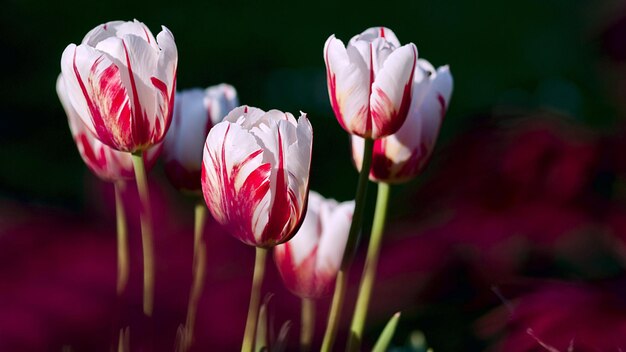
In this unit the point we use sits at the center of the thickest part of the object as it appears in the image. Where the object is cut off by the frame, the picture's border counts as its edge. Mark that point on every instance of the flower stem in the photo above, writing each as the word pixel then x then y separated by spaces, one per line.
pixel 146 234
pixel 308 324
pixel 335 312
pixel 353 238
pixel 359 204
pixel 255 298
pixel 369 271
pixel 122 239
pixel 199 273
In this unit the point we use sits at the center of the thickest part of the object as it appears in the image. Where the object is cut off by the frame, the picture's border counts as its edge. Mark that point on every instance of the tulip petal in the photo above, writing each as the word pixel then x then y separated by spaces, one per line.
pixel 348 78
pixel 370 34
pixel 235 180
pixel 164 79
pixel 391 91
pixel 97 93
pixel 105 162
pixel 186 130
pixel 401 156
pixel 309 262
pixel 219 101
pixel 137 61
pixel 334 237
pixel 101 32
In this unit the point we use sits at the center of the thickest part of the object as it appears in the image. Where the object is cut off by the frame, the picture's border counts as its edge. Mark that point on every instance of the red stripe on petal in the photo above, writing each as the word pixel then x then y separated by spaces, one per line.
pixel 368 122
pixel 332 93
pixel 145 31
pixel 111 95
pixel 140 124
pixel 170 108
pixel 252 192
pixel 282 208
pixel 442 104
pixel 381 164
pixel 96 115
pixel 386 118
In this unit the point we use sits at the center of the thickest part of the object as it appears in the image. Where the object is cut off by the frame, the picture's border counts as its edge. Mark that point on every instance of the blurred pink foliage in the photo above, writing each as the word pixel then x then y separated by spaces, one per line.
pixel 500 201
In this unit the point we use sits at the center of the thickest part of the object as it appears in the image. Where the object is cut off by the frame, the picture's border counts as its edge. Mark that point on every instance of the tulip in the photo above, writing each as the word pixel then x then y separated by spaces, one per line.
pixel 105 162
pixel 309 262
pixel 369 81
pixel 196 111
pixel 255 181
pixel 109 165
pixel 121 82
pixel 255 174
pixel 402 156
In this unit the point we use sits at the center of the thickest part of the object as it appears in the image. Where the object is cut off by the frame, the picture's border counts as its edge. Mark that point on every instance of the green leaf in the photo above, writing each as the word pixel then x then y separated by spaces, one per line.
pixel 387 334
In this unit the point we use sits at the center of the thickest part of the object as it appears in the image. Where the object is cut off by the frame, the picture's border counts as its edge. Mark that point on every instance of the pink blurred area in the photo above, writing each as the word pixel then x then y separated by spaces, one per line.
pixel 503 202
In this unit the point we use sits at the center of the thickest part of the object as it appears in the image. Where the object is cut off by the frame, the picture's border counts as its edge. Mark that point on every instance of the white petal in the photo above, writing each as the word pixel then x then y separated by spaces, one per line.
pixel 308 236
pixel 137 61
pixel 96 92
pixel 166 70
pixel 335 219
pixel 348 76
pixel 220 100
pixel 227 163
pixel 370 34
pixel 188 131
pixel 299 160
pixel 391 91
pixel 101 32
pixel 434 105
pixel 357 144
pixel 248 116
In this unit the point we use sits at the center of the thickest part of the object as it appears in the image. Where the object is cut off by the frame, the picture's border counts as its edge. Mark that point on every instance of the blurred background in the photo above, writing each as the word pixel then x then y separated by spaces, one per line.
pixel 513 239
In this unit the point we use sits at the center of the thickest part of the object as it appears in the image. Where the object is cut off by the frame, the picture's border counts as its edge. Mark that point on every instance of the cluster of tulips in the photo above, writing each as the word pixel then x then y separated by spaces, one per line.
pixel 118 89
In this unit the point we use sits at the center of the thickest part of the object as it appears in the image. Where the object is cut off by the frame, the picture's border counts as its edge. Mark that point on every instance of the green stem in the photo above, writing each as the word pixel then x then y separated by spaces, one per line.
pixel 122 239
pixel 353 238
pixel 255 298
pixel 308 324
pixel 369 271
pixel 146 234
pixel 335 312
pixel 199 273
pixel 359 204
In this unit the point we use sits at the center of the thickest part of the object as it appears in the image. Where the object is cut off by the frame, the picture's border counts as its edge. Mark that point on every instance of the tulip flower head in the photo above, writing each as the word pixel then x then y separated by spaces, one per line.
pixel 402 156
pixel 121 82
pixel 105 162
pixel 255 174
pixel 196 111
pixel 309 262
pixel 369 81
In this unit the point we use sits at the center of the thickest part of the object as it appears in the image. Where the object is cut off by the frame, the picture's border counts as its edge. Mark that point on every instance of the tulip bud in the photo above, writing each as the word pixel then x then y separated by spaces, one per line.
pixel 369 81
pixel 121 82
pixel 105 162
pixel 255 174
pixel 196 111
pixel 403 155
pixel 309 262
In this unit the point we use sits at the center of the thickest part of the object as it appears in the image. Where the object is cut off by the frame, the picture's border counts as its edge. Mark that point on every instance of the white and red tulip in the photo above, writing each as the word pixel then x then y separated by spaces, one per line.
pixel 369 81
pixel 402 156
pixel 196 111
pixel 255 174
pixel 310 261
pixel 121 82
pixel 105 162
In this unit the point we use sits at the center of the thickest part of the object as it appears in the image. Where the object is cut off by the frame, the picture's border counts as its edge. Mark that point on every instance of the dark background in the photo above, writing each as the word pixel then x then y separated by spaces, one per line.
pixel 522 54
